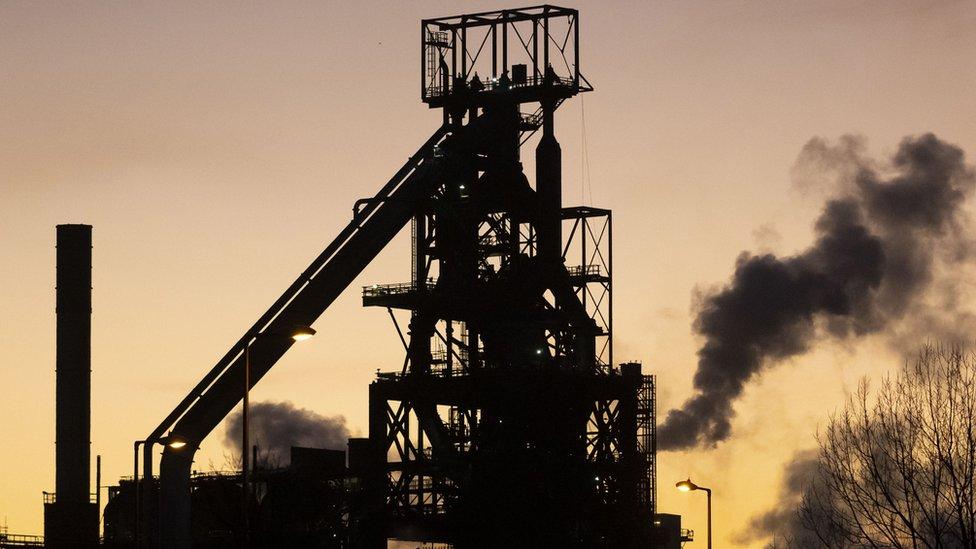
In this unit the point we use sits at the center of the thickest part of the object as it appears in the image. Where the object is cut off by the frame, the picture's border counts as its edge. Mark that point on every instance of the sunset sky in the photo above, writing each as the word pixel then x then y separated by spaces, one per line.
pixel 217 149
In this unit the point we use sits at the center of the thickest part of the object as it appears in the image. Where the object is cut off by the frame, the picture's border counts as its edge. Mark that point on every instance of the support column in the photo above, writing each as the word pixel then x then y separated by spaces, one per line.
pixel 175 526
pixel 374 473
pixel 549 181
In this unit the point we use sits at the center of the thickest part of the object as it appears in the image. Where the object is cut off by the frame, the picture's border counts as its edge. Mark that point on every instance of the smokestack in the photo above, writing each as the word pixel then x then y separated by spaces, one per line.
pixel 70 518
pixel 73 362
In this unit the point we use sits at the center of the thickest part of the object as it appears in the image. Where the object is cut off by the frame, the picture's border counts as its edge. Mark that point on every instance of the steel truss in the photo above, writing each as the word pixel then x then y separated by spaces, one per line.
pixel 508 422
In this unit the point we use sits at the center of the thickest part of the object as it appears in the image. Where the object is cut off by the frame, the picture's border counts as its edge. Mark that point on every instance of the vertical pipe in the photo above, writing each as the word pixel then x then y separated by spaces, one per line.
pixel 147 501
pixel 454 42
pixel 576 50
pixel 373 473
pixel 708 492
pixel 545 41
pixel 98 492
pixel 464 51
pixel 136 489
pixel 175 519
pixel 610 361
pixel 423 59
pixel 449 336
pixel 535 49
pixel 445 86
pixel 494 51
pixel 245 445
pixel 73 384
pixel 504 41
pixel 548 182
pixel 419 266
pixel 474 357
pixel 583 261
pixel 420 449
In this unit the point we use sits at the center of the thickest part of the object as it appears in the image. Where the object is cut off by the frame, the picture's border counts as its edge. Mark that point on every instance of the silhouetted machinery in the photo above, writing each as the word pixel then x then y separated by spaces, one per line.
pixel 508 423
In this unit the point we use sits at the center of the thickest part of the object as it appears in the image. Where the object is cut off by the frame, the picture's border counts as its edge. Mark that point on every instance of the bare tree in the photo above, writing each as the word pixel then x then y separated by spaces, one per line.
pixel 897 466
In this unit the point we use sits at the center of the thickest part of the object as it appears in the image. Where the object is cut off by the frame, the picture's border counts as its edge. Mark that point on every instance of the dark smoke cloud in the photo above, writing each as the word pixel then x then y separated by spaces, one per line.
pixel 783 525
pixel 277 426
pixel 880 241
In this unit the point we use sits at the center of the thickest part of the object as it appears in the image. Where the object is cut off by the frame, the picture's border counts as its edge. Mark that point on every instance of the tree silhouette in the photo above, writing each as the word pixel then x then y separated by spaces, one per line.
pixel 897 467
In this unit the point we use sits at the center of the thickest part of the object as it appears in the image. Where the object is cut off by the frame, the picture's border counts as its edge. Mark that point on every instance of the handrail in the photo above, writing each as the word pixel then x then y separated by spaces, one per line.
pixel 494 84
pixel 24 540
pixel 592 269
pixel 52 497
pixel 399 288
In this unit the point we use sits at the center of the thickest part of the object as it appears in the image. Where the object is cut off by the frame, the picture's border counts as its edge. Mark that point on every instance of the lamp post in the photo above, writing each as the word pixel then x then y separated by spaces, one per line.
pixel 299 333
pixel 689 486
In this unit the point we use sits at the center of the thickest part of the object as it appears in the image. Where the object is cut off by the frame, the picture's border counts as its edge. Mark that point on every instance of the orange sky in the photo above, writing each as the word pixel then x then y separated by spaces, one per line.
pixel 217 149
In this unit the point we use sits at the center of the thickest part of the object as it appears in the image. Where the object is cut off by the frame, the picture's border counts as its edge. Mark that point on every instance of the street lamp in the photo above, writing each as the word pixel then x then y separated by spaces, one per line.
pixel 298 333
pixel 689 486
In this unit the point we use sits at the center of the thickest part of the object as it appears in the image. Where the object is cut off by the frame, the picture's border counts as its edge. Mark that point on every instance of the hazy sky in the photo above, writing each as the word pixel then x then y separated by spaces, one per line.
pixel 216 149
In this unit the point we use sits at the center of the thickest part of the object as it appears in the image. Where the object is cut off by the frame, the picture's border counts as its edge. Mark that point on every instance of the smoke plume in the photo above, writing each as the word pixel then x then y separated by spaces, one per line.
pixel 277 426
pixel 783 523
pixel 885 232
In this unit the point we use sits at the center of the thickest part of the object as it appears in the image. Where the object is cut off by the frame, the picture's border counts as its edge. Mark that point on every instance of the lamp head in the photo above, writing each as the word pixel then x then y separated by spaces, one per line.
pixel 302 333
pixel 686 485
pixel 174 442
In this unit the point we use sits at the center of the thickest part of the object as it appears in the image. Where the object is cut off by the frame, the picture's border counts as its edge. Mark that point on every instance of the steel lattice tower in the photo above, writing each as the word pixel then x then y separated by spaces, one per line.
pixel 507 422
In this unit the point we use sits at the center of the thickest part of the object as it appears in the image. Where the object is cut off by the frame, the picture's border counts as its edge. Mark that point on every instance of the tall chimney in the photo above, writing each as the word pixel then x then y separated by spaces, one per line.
pixel 70 519
pixel 73 362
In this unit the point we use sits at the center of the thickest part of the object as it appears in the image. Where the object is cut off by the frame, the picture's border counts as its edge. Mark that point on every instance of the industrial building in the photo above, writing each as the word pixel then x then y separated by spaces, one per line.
pixel 507 424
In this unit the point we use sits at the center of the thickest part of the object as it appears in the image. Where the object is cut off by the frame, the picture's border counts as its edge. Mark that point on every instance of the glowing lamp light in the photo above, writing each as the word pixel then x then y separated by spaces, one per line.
pixel 172 441
pixel 302 333
pixel 686 486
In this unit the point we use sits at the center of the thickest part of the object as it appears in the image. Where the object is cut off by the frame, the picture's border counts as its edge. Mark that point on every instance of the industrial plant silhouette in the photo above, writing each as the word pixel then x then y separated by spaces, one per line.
pixel 508 423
